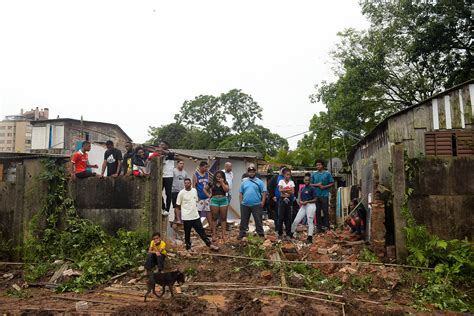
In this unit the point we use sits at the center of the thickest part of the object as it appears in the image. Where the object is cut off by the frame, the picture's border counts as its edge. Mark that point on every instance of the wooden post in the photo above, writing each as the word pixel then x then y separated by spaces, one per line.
pixel 17 229
pixel 156 192
pixel 398 185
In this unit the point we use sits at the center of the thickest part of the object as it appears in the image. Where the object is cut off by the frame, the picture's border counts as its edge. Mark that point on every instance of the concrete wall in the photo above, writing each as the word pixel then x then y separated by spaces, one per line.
pixel 114 203
pixel 443 197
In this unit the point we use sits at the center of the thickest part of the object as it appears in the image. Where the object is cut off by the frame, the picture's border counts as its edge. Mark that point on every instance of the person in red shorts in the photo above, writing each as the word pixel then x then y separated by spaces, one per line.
pixel 80 163
pixel 357 220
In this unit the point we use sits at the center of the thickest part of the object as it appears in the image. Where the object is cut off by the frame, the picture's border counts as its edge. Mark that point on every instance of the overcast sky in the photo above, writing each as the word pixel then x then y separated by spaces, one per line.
pixel 133 63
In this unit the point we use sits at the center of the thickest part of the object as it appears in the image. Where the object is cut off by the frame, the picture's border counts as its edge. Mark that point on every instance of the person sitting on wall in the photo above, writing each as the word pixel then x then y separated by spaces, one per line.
pixel 80 167
pixel 127 165
pixel 140 163
pixel 357 218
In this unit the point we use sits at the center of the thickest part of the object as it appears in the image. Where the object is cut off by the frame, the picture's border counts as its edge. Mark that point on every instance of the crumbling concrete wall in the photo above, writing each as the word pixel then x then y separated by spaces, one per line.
pixel 443 196
pixel 113 203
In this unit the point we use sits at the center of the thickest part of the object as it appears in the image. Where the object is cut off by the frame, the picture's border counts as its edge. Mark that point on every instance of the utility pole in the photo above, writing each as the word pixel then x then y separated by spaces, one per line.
pixel 330 142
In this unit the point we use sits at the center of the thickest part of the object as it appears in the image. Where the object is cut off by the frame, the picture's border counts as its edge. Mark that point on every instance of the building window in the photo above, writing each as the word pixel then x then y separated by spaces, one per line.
pixel 8 148
pixel 28 141
pixel 2 141
pixel 449 144
pixel 2 134
pixel 9 134
pixel 9 141
pixel 2 127
pixel 10 127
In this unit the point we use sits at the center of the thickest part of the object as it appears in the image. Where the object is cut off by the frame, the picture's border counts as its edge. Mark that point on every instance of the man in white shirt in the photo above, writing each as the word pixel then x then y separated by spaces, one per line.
pixel 229 177
pixel 186 202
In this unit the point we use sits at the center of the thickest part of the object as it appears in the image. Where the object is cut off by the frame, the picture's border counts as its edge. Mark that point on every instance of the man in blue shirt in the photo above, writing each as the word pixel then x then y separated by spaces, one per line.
pixel 322 180
pixel 252 194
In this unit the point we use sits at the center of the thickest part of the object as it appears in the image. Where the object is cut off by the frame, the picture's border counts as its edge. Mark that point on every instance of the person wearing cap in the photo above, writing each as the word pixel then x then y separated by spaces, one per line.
pixel 112 160
pixel 252 195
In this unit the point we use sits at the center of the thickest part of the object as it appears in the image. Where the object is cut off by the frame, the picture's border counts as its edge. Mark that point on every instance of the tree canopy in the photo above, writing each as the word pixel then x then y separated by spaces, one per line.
pixel 412 50
pixel 225 122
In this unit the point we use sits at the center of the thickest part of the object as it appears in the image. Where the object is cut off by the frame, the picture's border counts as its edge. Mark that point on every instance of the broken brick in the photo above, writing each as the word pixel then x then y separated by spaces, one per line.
pixel 267 275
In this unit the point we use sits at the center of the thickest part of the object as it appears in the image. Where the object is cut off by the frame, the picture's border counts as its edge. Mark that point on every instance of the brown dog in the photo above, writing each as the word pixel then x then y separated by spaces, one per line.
pixel 164 279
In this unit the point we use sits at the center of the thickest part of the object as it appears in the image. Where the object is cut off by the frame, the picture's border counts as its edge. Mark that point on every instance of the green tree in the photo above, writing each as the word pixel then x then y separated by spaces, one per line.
pixel 411 51
pixel 204 112
pixel 258 139
pixel 180 136
pixel 242 108
pixel 206 116
pixel 173 133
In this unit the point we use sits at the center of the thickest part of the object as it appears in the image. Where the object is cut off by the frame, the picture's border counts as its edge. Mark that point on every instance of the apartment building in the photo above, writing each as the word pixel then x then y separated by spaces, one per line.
pixel 16 130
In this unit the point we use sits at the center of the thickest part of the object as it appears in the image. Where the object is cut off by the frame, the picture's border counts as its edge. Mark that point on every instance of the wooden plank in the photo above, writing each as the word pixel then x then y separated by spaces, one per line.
pixel 467 102
pixel 1 171
pixel 419 142
pixel 398 185
pixel 420 119
pixel 456 113
pixel 435 114
pixel 447 111
pixel 58 273
pixel 441 113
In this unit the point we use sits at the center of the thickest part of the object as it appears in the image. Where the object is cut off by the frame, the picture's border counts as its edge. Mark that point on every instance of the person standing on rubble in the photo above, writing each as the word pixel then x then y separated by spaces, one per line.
pixel 322 180
pixel 252 195
pixel 307 201
pixel 186 202
pixel 286 186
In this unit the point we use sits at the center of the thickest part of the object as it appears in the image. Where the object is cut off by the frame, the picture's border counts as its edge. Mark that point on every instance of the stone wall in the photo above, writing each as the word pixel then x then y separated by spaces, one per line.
pixel 443 197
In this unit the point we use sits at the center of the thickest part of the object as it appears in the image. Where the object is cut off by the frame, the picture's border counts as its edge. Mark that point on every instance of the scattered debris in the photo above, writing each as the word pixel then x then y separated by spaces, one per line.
pixel 58 273
pixel 267 244
pixel 82 306
pixel 322 251
pixel 8 276
pixel 16 287
pixel 267 275
pixel 71 272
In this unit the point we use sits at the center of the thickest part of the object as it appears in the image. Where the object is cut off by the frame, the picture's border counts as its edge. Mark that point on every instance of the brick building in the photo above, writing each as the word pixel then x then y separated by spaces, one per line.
pixel 62 136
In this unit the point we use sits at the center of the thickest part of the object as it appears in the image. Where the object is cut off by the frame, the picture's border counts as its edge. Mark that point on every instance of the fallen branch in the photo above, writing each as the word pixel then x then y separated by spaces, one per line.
pixel 12 263
pixel 313 262
pixel 118 275
pixel 265 289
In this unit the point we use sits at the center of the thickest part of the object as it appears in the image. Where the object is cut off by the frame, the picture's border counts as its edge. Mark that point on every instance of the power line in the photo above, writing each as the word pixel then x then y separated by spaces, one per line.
pixel 296 135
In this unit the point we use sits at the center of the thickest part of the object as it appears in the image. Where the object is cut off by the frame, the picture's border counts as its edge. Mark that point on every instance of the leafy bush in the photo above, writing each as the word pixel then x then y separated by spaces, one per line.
pixel 452 260
pixel 57 232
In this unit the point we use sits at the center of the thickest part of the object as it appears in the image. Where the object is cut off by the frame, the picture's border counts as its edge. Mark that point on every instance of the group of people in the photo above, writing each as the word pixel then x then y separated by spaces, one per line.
pixel 203 195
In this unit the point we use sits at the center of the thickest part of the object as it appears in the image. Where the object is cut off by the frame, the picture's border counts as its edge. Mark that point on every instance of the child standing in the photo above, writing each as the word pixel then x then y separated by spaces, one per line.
pixel 156 254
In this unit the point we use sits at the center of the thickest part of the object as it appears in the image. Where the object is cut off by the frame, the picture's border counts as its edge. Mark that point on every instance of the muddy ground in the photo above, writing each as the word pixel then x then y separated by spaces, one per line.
pixel 233 286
